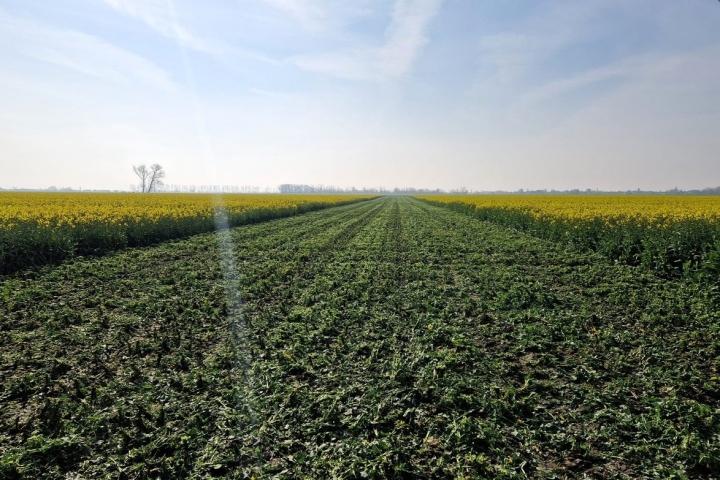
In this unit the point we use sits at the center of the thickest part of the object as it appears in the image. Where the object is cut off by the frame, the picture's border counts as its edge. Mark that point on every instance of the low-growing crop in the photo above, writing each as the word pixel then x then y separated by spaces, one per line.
pixel 385 339
pixel 671 235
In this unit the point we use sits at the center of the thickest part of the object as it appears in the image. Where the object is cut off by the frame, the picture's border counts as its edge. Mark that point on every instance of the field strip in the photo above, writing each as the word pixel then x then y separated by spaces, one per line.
pixel 37 228
pixel 674 236
pixel 384 339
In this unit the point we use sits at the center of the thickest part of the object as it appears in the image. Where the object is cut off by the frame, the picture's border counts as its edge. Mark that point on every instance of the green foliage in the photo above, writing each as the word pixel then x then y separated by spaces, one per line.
pixel 30 243
pixel 684 247
pixel 385 339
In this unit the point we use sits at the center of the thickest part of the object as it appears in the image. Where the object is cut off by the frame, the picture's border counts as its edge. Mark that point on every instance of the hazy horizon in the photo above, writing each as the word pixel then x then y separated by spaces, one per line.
pixel 330 189
pixel 550 94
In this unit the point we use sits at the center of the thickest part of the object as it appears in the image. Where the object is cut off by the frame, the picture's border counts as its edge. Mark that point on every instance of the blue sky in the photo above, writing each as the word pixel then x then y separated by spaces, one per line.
pixel 556 94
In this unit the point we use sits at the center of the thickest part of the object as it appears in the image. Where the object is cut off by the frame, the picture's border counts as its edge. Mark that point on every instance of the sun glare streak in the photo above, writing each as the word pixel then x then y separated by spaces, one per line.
pixel 241 357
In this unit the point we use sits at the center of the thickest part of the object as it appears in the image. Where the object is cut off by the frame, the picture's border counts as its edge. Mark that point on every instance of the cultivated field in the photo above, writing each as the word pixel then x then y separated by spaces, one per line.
pixel 390 338
pixel 39 228
pixel 672 235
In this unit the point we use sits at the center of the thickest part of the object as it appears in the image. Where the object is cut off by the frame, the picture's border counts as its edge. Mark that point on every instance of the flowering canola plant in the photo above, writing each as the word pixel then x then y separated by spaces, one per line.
pixel 39 227
pixel 668 233
pixel 660 210
pixel 73 209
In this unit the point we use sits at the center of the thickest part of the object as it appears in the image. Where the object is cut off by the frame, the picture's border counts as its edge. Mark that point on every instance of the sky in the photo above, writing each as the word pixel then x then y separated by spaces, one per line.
pixel 481 94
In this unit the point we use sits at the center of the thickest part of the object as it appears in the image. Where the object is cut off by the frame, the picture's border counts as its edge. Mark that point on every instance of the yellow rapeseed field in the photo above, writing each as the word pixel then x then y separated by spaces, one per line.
pixel 614 209
pixel 73 209
pixel 37 228
pixel 669 234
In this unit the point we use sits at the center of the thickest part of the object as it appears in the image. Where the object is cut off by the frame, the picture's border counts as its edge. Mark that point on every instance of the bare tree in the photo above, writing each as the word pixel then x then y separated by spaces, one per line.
pixel 156 175
pixel 144 174
pixel 150 178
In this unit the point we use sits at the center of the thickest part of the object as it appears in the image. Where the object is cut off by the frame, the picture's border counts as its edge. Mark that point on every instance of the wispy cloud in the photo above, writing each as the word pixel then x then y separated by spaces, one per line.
pixel 356 64
pixel 660 90
pixel 532 76
pixel 80 52
pixel 512 55
pixel 323 15
pixel 404 39
pixel 622 71
pixel 406 35
pixel 310 13
pixel 547 94
pixel 162 17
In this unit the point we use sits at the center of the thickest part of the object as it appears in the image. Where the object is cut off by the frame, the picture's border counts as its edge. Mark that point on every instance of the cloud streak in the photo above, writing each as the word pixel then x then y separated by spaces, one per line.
pixel 512 55
pixel 82 53
pixel 547 94
pixel 405 38
pixel 308 12
pixel 406 35
pixel 162 17
pixel 323 15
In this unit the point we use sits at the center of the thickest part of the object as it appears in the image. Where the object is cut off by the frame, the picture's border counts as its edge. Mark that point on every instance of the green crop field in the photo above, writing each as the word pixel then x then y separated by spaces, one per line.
pixel 389 338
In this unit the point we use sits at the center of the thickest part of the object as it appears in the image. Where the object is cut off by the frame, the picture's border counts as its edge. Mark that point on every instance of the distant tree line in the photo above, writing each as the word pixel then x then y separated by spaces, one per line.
pixel 300 188
pixel 210 189
pixel 588 191
pixel 418 191
pixel 156 185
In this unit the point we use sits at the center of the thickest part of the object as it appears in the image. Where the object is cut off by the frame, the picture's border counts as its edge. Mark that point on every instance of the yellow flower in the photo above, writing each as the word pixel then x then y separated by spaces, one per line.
pixel 61 210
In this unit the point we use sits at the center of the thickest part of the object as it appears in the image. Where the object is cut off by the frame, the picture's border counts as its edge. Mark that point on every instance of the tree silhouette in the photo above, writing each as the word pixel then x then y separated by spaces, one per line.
pixel 150 178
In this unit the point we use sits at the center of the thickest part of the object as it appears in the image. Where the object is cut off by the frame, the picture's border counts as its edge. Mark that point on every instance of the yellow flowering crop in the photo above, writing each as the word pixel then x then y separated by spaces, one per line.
pixel 656 209
pixel 73 209
pixel 669 234
pixel 36 228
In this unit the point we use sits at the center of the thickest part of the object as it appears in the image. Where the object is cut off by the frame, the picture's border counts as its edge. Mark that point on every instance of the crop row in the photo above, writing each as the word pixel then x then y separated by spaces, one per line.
pixel 385 339
pixel 671 235
pixel 36 228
